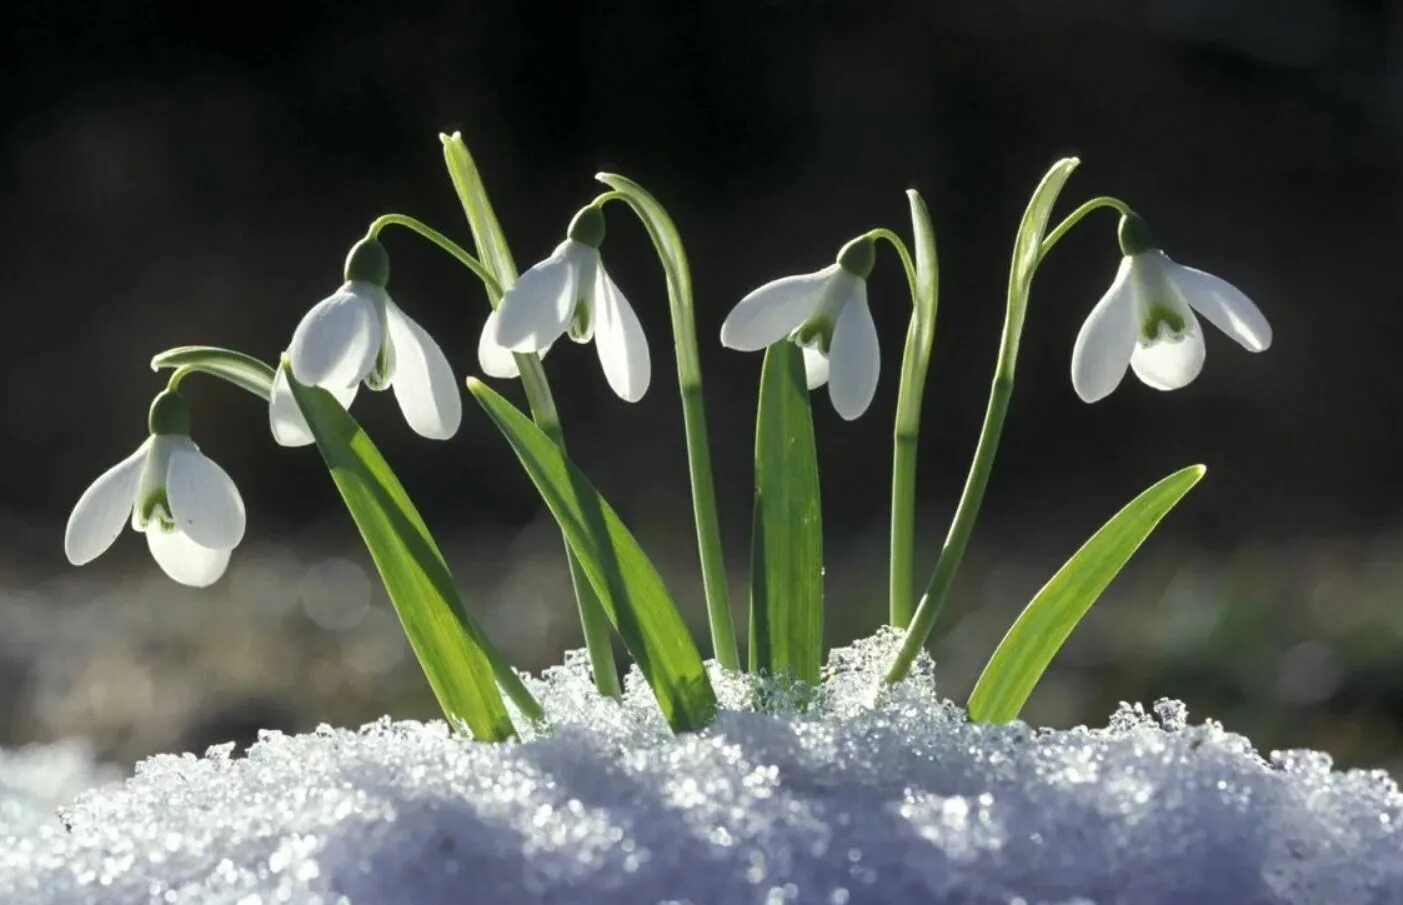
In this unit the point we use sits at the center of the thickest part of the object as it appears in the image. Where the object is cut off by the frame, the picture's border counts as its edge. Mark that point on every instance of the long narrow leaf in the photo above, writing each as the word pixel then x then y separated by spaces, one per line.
pixel 451 648
pixel 1045 623
pixel 482 220
pixel 628 585
pixel 786 544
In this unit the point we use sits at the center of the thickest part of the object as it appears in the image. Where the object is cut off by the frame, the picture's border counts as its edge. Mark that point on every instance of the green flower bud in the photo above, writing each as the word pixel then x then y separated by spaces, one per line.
pixel 1135 236
pixel 858 256
pixel 588 227
pixel 368 262
pixel 169 414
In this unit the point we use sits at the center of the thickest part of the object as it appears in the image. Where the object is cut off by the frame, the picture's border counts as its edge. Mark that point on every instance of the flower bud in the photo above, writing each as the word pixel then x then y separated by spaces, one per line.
pixel 368 262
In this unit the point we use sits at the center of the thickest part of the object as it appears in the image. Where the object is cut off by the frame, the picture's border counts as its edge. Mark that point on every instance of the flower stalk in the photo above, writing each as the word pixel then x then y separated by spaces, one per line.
pixel 684 330
pixel 923 277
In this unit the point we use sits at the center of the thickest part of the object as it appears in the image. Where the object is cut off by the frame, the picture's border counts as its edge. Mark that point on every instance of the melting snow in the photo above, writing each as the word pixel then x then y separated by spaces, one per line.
pixel 847 802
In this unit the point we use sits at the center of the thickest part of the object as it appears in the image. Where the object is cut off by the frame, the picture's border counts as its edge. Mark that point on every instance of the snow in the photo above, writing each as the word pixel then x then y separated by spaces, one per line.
pixel 849 800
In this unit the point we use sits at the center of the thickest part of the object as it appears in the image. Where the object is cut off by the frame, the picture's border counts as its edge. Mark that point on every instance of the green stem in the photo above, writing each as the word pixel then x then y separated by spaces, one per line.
pixel 1028 249
pixel 442 241
pixel 922 278
pixel 673 258
pixel 492 244
pixel 1075 217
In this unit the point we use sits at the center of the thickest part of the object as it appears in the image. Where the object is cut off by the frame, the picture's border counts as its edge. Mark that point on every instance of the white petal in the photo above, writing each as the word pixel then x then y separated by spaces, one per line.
pixel 184 560
pixel 336 343
pixel 771 313
pixel 103 508
pixel 495 360
pixel 1168 364
pixel 1106 340
pixel 423 380
pixel 537 308
pixel 815 367
pixel 1225 306
pixel 619 339
pixel 204 503
pixel 285 418
pixel 854 356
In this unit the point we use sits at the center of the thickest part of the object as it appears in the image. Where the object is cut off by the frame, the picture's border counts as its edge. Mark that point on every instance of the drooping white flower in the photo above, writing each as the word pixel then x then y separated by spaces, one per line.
pixel 571 292
pixel 1147 320
pixel 185 504
pixel 826 314
pixel 359 335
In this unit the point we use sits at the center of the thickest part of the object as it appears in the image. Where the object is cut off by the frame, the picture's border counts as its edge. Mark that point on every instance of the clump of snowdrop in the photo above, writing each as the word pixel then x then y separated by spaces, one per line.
pixel 192 515
pixel 185 504
pixel 825 313
pixel 1146 320
pixel 571 293
pixel 359 335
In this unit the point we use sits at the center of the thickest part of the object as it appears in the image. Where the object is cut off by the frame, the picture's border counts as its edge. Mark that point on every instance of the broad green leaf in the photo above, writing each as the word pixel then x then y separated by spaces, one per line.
pixel 244 371
pixel 452 650
pixel 628 586
pixel 1045 623
pixel 786 543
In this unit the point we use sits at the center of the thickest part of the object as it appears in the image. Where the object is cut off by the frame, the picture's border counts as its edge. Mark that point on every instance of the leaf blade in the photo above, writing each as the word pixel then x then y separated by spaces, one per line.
pixel 786 574
pixel 625 580
pixel 454 653
pixel 1038 633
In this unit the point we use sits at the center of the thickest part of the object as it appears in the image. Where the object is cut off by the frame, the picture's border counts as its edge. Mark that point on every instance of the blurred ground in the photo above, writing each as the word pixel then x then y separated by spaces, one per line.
pixel 168 179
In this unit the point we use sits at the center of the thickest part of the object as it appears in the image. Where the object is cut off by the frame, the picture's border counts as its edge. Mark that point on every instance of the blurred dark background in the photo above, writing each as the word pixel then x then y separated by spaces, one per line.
pixel 167 178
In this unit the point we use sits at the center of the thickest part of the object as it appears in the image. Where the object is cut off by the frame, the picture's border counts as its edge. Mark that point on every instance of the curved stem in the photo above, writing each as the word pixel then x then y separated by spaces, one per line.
pixel 1075 217
pixel 1027 255
pixel 922 276
pixel 673 258
pixel 453 248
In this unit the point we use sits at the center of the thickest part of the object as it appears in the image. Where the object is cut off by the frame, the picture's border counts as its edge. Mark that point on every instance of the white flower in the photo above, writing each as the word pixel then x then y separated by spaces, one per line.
pixel 570 291
pixel 358 334
pixel 825 313
pixel 185 504
pixel 1146 320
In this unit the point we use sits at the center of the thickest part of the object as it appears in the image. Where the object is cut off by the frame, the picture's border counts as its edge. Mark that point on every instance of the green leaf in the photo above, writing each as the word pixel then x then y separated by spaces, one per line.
pixel 487 232
pixel 1045 623
pixel 786 545
pixel 452 650
pixel 244 371
pixel 629 587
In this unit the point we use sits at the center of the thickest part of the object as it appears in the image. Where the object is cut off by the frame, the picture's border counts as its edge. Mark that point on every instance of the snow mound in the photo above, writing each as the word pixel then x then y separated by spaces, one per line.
pixel 36 780
pixel 843 800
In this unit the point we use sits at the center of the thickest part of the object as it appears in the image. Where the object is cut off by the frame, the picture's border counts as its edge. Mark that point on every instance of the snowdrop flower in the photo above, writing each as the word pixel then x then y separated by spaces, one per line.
pixel 570 292
pixel 826 314
pixel 185 504
pixel 1147 320
pixel 359 335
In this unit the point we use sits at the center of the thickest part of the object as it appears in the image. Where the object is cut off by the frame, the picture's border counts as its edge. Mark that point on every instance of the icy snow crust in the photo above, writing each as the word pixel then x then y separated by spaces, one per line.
pixel 846 802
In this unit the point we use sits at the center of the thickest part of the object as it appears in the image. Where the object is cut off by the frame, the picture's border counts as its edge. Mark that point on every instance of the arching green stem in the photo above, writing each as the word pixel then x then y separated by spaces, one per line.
pixel 1027 253
pixel 1072 219
pixel 923 278
pixel 453 248
pixel 673 258
pixel 497 260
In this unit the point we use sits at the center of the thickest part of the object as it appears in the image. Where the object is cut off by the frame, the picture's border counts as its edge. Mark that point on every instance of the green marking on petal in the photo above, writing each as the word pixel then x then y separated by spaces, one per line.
pixel 1161 322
